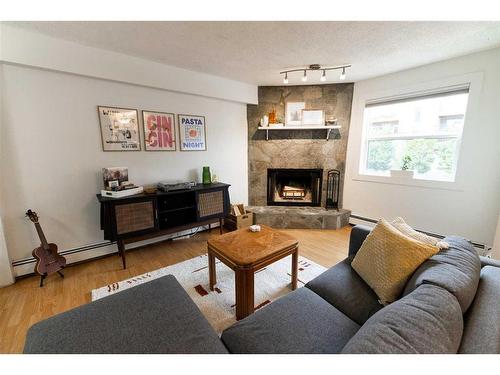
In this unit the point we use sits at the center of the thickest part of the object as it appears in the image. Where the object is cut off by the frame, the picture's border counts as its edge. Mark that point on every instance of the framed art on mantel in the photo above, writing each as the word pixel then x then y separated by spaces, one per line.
pixel 192 135
pixel 119 129
pixel 293 112
pixel 159 131
pixel 314 117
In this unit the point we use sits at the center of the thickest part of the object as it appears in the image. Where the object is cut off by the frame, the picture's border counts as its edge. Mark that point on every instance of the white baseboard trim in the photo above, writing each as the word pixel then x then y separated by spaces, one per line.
pixel 25 266
pixel 358 221
pixel 85 254
pixel 482 249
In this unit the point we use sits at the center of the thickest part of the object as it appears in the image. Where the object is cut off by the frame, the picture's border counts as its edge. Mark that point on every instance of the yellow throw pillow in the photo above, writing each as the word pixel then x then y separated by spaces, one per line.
pixel 408 231
pixel 387 258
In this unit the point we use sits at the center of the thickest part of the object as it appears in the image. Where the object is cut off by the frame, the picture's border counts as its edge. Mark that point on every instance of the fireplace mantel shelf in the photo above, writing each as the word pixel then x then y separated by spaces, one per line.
pixel 329 128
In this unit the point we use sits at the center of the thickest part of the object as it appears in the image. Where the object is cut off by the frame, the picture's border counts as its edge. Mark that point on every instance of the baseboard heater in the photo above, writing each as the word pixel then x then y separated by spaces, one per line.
pixel 440 236
pixel 74 250
pixel 81 249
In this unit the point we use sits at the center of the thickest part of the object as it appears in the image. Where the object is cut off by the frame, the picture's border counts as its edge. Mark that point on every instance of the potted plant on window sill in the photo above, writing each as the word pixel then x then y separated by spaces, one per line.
pixel 405 172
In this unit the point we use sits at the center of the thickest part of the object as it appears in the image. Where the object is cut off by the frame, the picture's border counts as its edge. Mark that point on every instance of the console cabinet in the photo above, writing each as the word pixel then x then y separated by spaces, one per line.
pixel 143 216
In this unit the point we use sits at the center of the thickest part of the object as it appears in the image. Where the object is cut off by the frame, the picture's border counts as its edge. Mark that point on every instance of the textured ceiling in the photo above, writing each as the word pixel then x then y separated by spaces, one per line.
pixel 255 52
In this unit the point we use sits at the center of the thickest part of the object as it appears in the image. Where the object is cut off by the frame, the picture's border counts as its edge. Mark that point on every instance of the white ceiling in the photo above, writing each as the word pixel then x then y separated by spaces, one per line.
pixel 255 52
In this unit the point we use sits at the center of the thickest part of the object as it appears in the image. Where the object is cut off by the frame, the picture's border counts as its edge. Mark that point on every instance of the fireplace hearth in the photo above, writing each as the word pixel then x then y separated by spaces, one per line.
pixel 294 187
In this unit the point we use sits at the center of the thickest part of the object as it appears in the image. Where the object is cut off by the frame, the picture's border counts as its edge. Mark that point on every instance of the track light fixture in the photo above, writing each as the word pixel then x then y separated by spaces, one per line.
pixel 342 75
pixel 316 67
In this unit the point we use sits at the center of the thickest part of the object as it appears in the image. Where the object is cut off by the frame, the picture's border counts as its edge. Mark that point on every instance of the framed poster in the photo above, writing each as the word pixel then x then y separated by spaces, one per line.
pixel 313 117
pixel 159 131
pixel 294 113
pixel 192 135
pixel 119 129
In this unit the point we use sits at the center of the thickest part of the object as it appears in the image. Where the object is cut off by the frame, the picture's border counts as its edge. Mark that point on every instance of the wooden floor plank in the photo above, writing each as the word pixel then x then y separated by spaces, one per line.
pixel 24 303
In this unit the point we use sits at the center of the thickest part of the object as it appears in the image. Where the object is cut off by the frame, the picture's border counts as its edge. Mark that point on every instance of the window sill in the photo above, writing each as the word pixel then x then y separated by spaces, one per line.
pixel 414 182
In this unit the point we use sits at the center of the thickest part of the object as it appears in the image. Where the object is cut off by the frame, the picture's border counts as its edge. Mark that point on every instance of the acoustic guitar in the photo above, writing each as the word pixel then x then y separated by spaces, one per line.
pixel 48 261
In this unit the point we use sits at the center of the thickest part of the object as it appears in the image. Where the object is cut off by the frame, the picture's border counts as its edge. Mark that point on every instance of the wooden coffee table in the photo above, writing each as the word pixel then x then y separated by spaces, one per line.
pixel 246 252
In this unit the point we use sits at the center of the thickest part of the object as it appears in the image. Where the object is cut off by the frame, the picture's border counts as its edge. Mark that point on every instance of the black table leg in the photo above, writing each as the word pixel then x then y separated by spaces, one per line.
pixel 121 250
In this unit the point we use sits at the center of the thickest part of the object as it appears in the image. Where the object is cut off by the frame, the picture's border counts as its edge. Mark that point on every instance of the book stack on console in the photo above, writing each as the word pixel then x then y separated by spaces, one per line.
pixel 239 217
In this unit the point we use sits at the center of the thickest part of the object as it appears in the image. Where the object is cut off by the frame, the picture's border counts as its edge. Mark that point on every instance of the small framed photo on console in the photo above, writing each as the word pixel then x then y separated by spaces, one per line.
pixel 192 135
pixel 114 176
pixel 119 129
pixel 159 131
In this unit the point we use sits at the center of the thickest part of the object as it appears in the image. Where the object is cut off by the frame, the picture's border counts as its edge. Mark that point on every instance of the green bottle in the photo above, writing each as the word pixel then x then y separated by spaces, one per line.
pixel 207 178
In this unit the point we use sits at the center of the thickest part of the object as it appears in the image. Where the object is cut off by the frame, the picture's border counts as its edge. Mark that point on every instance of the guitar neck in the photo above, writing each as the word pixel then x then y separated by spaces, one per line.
pixel 43 240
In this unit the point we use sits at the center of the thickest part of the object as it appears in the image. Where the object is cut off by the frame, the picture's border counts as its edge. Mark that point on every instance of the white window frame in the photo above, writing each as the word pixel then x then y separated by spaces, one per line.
pixel 472 80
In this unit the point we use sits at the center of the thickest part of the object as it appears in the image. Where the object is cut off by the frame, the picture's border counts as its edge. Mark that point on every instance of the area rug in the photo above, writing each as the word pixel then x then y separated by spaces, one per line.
pixel 218 306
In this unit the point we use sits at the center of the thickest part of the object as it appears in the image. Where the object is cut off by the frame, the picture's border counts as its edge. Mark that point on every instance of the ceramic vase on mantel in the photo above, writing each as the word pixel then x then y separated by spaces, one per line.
pixel 206 177
pixel 264 121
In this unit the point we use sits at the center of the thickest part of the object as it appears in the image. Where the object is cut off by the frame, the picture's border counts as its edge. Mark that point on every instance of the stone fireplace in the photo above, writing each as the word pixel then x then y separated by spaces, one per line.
pixel 294 187
pixel 297 149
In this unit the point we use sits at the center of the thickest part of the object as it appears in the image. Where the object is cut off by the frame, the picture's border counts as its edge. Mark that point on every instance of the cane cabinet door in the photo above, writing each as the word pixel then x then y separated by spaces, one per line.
pixel 212 203
pixel 135 218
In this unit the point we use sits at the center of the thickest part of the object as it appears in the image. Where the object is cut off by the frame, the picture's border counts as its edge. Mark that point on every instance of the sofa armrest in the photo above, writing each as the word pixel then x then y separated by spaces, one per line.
pixel 358 235
pixel 485 261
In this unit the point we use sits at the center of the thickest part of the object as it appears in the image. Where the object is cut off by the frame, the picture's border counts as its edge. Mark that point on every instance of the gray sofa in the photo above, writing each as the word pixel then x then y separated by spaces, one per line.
pixel 155 317
pixel 451 304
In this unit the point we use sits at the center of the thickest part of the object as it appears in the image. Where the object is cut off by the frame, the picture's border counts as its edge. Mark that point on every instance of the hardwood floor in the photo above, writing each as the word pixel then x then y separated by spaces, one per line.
pixel 24 303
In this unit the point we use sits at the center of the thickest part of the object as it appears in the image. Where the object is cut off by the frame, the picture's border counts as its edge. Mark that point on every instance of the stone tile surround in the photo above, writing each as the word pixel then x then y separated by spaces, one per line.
pixel 300 217
pixel 297 149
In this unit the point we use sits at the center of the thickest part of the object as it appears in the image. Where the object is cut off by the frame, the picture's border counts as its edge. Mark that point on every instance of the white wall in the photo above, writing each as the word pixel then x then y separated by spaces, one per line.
pixel 6 272
pixel 52 155
pixel 470 208
pixel 50 145
pixel 495 253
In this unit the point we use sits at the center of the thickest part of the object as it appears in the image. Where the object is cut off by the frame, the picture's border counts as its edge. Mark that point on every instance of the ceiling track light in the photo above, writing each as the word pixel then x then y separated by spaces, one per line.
pixel 323 76
pixel 342 75
pixel 316 67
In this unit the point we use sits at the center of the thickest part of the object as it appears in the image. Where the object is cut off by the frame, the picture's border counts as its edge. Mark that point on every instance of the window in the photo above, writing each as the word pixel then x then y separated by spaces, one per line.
pixel 424 130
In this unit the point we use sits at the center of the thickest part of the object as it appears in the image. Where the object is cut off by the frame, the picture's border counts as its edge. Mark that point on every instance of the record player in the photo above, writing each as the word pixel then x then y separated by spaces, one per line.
pixel 175 185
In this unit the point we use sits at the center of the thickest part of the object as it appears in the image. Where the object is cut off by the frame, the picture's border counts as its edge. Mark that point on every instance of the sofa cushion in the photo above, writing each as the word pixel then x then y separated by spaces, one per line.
pixel 342 287
pixel 357 237
pixel 482 321
pixel 429 320
pixel 456 269
pixel 300 322
pixel 485 261
pixel 155 317
pixel 387 258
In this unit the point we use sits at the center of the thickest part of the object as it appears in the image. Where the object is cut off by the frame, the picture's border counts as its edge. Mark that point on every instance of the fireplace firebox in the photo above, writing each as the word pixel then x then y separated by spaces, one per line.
pixel 294 187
